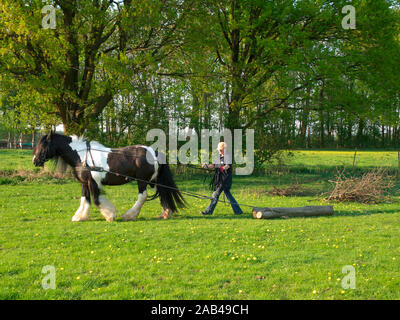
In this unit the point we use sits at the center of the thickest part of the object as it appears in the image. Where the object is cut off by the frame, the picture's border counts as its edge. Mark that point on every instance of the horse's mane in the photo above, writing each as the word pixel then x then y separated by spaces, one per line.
pixel 60 166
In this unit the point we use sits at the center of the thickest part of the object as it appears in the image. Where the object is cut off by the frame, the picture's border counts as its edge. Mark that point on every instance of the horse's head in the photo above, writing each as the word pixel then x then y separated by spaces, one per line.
pixel 44 150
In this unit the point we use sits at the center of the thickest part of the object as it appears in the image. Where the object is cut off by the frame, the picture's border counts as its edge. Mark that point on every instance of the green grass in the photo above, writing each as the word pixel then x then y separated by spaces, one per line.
pixel 15 159
pixel 191 256
pixel 364 159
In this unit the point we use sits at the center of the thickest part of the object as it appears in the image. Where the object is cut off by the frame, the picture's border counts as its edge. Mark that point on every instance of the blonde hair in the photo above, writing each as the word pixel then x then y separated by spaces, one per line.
pixel 221 145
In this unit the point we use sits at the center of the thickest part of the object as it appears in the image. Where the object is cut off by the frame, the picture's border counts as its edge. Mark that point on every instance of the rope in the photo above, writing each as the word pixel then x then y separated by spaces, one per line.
pixel 188 193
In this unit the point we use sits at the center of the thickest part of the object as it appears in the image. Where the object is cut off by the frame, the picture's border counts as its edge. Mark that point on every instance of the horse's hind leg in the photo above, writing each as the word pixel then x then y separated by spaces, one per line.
pixel 106 208
pixel 82 214
pixel 165 214
pixel 133 212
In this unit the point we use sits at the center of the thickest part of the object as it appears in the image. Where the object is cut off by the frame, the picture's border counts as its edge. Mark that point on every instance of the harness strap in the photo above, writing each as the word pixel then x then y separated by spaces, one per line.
pixel 93 167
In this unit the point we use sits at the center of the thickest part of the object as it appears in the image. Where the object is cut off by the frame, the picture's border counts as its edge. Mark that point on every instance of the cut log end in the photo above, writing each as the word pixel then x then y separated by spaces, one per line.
pixel 257 214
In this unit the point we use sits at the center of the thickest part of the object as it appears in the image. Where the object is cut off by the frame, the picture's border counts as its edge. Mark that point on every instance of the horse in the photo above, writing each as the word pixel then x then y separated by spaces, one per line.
pixel 95 166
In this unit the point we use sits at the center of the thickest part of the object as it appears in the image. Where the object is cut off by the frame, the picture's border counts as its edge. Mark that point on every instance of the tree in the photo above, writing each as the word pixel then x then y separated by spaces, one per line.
pixel 96 47
pixel 262 45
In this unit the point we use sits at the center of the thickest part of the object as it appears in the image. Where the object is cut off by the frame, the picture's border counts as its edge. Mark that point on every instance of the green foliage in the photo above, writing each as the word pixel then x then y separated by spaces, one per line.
pixel 95 49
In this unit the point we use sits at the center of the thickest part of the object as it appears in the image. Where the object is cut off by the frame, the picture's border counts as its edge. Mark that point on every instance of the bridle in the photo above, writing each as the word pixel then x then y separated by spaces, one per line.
pixel 43 156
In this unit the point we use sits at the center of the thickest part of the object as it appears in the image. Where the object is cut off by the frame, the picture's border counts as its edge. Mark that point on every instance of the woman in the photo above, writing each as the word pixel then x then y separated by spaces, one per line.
pixel 222 181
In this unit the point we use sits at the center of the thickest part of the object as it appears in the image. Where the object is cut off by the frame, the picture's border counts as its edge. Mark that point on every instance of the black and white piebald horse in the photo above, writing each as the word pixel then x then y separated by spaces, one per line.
pixel 95 165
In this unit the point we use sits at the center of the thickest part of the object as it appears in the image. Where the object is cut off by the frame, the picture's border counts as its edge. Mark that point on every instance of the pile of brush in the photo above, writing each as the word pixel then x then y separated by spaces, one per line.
pixel 372 187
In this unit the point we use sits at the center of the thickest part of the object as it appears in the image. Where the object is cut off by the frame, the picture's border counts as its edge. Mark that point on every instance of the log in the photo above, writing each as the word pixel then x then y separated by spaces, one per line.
pixel 308 211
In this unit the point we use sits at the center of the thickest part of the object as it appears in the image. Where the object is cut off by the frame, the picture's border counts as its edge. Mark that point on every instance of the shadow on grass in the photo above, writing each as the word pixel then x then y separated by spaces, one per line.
pixel 244 216
pixel 365 213
pixel 184 217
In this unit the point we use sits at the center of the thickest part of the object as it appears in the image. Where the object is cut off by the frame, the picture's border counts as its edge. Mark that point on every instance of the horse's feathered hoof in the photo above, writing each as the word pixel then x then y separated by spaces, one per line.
pixel 166 214
pixel 107 209
pixel 79 219
pixel 129 217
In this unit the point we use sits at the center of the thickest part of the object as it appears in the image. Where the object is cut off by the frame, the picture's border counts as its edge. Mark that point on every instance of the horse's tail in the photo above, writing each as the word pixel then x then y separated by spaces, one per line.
pixel 170 196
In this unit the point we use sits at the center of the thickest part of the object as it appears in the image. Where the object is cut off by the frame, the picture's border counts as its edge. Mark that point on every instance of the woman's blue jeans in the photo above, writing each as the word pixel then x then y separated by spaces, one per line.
pixel 229 197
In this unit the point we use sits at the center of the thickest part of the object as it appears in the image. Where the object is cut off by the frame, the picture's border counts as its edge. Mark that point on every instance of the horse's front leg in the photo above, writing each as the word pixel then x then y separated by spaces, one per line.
pixel 105 206
pixel 133 212
pixel 82 214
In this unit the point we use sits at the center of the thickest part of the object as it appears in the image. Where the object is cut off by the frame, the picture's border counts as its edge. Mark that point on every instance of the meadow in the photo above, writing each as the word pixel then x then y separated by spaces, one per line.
pixel 191 256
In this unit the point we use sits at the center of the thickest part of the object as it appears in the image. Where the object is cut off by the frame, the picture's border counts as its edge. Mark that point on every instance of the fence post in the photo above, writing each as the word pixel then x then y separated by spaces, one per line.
pixel 398 160
pixel 354 159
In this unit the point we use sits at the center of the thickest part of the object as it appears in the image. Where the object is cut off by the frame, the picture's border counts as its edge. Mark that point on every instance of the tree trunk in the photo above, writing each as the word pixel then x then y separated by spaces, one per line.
pixel 321 119
pixel 233 116
pixel 309 211
pixel 33 139
pixel 359 135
